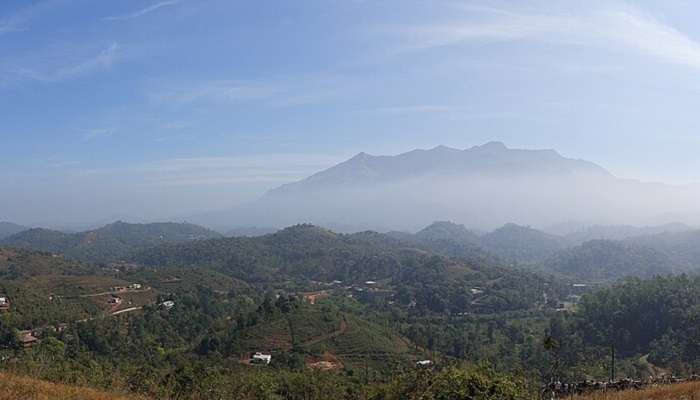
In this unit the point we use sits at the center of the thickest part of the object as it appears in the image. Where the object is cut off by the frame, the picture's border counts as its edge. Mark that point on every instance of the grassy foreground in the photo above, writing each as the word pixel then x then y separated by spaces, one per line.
pixel 681 391
pixel 14 387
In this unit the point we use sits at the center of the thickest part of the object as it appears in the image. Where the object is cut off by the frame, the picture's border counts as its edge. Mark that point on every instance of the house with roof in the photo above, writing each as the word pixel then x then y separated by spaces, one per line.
pixel 27 339
pixel 168 304
pixel 260 358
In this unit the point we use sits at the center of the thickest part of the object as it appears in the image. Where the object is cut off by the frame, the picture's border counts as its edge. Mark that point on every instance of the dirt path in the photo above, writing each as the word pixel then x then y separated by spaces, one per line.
pixel 126 310
pixel 115 292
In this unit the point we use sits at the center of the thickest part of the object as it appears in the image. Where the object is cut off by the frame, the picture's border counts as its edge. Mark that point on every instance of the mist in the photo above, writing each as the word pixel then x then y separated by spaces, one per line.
pixel 482 201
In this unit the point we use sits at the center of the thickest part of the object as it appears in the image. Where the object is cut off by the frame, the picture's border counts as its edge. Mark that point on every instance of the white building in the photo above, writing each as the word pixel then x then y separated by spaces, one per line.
pixel 424 363
pixel 3 301
pixel 260 358
pixel 135 286
pixel 168 304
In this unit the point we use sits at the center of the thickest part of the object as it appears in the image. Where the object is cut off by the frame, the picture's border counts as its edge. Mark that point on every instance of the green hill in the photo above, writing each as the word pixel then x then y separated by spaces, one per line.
pixel 109 243
pixel 8 229
pixel 452 240
pixel 522 244
pixel 506 245
pixel 681 247
pixel 307 253
pixel 607 260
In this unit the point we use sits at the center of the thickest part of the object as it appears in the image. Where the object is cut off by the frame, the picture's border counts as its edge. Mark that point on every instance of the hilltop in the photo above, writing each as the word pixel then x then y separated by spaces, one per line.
pixel 109 243
pixel 592 261
pixel 607 260
pixel 8 229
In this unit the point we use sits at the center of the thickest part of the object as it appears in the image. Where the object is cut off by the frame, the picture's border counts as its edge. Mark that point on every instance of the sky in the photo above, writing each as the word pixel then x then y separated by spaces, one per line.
pixel 139 109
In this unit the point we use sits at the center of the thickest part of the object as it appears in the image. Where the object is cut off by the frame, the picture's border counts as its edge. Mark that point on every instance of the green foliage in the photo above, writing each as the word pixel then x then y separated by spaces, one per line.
pixel 606 260
pixel 522 244
pixel 307 253
pixel 109 243
pixel 477 383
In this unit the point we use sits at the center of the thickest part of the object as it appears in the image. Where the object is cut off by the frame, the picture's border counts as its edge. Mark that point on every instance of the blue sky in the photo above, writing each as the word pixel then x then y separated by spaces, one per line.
pixel 158 109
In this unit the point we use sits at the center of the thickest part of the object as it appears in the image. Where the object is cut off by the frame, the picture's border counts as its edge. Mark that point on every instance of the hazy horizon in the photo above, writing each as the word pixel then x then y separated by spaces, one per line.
pixel 540 186
pixel 117 112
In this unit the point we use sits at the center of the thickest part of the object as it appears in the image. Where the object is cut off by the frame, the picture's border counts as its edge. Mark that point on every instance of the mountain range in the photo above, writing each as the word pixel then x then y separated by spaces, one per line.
pixel 483 186
pixel 605 259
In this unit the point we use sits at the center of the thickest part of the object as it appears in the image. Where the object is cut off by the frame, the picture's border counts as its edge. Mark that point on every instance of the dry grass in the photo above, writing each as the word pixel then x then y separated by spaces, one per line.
pixel 681 391
pixel 14 387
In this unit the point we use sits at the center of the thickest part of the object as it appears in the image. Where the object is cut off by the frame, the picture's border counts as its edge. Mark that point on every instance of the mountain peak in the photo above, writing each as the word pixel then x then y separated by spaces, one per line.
pixel 443 148
pixel 361 156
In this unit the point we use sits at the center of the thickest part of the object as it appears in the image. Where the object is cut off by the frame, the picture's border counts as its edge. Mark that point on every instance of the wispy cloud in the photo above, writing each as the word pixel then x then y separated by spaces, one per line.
pixel 96 133
pixel 625 29
pixel 413 109
pixel 143 11
pixel 272 92
pixel 10 25
pixel 17 22
pixel 102 60
pixel 218 91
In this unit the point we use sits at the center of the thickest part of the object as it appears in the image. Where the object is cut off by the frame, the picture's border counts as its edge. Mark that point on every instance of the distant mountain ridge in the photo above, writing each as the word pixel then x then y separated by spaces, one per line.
pixel 508 244
pixel 9 228
pixel 621 232
pixel 608 260
pixel 110 242
pixel 486 186
pixel 592 261
pixel 492 158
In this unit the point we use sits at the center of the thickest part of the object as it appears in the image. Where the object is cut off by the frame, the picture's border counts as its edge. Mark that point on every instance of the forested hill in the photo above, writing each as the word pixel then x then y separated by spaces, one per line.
pixel 608 260
pixel 522 244
pixel 110 242
pixel 508 244
pixel 309 253
pixel 451 240
pixel 683 248
pixel 8 228
pixel 593 261
pixel 656 317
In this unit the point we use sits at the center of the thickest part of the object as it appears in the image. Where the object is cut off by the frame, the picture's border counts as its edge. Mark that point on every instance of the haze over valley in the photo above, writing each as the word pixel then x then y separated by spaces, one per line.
pixel 351 200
